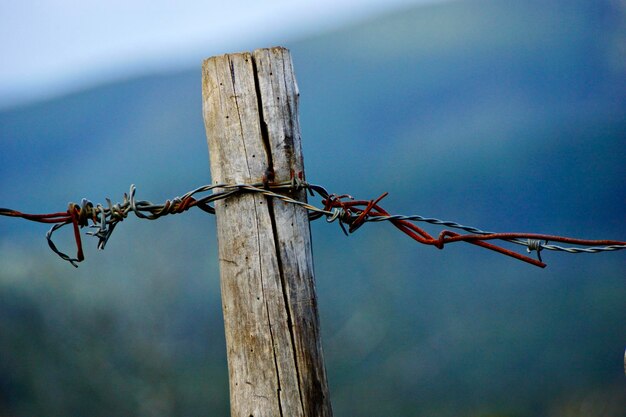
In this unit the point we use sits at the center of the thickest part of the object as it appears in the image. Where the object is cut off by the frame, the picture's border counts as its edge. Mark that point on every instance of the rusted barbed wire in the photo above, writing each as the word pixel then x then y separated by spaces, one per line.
pixel 344 209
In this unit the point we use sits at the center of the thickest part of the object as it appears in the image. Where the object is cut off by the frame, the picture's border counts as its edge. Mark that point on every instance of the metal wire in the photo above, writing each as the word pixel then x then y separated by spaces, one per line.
pixel 531 244
pixel 344 209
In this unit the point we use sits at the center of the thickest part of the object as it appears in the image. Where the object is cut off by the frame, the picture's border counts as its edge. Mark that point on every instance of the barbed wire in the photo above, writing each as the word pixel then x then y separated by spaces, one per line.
pixel 350 213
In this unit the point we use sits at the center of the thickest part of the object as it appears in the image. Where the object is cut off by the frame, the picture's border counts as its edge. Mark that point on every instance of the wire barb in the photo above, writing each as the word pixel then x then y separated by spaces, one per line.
pixel 535 245
pixel 344 209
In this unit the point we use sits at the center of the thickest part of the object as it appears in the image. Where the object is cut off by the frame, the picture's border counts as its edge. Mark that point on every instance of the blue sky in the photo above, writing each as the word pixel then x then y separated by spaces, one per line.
pixel 50 47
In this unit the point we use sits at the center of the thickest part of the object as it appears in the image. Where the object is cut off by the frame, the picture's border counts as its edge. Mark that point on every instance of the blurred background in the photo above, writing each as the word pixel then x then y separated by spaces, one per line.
pixel 502 114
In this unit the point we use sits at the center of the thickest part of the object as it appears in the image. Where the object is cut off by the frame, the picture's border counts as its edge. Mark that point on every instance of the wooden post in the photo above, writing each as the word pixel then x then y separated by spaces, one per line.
pixel 275 362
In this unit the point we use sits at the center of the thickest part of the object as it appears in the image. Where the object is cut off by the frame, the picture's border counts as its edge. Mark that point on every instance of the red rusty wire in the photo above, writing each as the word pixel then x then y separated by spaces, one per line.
pixel 363 208
pixel 78 216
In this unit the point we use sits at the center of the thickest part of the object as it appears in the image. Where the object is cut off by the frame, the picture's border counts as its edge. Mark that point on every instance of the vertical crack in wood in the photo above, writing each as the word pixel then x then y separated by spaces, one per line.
pixel 235 97
pixel 232 70
pixel 290 111
pixel 256 199
pixel 265 136
pixel 270 206
pixel 267 308
pixel 270 209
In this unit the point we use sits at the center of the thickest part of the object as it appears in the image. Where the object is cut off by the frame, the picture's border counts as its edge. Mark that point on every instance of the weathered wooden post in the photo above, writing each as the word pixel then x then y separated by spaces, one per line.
pixel 275 362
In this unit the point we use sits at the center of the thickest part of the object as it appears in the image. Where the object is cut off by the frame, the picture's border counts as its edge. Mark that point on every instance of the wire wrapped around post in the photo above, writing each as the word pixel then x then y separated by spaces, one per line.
pixel 351 214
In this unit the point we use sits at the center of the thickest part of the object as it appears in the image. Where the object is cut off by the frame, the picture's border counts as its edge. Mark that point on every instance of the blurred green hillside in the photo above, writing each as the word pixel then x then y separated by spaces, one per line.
pixel 506 115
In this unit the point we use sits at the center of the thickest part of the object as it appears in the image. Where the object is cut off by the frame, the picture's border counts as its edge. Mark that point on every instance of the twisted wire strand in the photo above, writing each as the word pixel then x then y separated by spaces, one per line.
pixel 344 209
pixel 531 244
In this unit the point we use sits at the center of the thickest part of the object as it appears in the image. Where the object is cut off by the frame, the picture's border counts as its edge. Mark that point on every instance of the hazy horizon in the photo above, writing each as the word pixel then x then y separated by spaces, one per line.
pixel 60 47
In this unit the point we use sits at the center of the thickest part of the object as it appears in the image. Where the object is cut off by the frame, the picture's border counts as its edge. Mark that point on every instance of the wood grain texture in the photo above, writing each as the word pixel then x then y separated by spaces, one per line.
pixel 275 361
